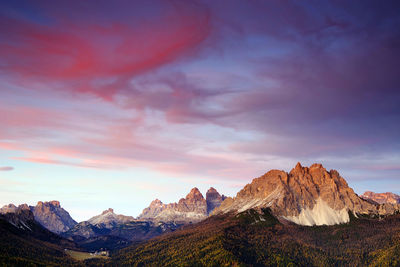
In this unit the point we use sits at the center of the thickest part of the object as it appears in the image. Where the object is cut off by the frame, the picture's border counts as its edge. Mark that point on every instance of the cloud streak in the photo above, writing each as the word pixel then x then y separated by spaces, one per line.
pixel 6 169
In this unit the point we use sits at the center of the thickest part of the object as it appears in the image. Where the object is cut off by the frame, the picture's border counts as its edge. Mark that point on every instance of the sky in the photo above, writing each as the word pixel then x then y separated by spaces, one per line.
pixel 116 103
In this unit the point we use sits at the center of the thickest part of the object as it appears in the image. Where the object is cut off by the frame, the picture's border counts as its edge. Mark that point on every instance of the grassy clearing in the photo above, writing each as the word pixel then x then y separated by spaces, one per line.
pixel 80 256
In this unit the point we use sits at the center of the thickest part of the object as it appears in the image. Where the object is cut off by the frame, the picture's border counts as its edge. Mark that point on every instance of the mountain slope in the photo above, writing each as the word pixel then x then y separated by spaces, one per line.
pixel 113 231
pixel 257 238
pixel 193 208
pixel 49 214
pixel 24 242
pixel 306 196
pixel 52 216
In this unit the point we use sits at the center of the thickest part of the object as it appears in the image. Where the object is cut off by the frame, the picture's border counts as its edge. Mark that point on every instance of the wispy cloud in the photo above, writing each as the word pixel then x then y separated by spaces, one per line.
pixel 200 89
pixel 7 168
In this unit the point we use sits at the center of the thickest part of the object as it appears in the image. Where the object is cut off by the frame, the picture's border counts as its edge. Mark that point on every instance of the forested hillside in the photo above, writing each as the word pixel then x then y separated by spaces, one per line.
pixel 250 239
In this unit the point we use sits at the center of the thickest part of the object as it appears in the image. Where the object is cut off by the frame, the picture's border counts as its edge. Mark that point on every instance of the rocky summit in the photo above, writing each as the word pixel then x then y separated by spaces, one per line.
pixel 213 199
pixel 306 195
pixel 382 198
pixel 20 216
pixel 193 208
pixel 52 216
pixel 109 219
pixel 49 214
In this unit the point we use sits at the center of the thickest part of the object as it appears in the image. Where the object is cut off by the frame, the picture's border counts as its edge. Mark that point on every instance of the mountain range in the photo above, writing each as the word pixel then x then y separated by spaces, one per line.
pixel 381 198
pixel 193 208
pixel 278 202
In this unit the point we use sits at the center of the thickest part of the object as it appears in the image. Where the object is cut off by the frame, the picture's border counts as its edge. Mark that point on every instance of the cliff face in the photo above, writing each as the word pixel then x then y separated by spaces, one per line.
pixel 193 208
pixel 307 196
pixel 213 199
pixel 52 216
pixel 20 216
pixel 382 198
pixel 49 214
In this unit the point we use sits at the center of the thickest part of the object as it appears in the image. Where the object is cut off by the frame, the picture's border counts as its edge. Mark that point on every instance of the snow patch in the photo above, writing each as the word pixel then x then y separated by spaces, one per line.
pixel 321 214
pixel 26 226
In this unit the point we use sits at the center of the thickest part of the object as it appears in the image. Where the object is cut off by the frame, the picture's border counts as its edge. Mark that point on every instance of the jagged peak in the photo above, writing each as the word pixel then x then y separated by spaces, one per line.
pixel 212 190
pixel 55 203
pixel 11 208
pixel 296 195
pixel 194 193
pixel 387 197
pixel 317 166
pixel 109 210
pixel 195 190
pixel 24 207
pixel 156 202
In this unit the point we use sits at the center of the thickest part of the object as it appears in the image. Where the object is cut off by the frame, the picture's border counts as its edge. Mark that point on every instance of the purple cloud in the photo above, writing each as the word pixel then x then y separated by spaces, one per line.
pixel 7 168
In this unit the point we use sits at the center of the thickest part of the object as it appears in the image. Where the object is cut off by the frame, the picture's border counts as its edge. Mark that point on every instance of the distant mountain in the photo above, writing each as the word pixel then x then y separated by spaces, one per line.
pixel 49 214
pixel 112 231
pixel 193 208
pixel 382 198
pixel 21 216
pixel 108 219
pixel 306 196
pixel 52 216
pixel 98 225
pixel 24 242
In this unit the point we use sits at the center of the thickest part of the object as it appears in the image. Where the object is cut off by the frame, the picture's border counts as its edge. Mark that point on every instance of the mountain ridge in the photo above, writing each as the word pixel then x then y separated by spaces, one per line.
pixel 193 208
pixel 49 214
pixel 305 195
pixel 382 198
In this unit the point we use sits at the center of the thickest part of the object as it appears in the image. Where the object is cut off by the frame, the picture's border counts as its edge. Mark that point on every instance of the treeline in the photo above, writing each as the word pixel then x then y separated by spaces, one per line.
pixel 251 239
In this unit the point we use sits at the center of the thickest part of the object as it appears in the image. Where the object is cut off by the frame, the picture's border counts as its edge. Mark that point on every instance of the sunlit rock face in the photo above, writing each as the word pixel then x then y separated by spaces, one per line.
pixel 306 195
pixel 382 198
pixel 49 214
pixel 193 208
pixel 52 216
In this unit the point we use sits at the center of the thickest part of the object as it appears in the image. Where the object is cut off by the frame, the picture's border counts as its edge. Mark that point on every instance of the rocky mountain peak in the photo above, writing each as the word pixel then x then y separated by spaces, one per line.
pixel 20 216
pixel 156 202
pixel 108 219
pixel 213 199
pixel 10 208
pixel 110 210
pixel 194 207
pixel 195 194
pixel 382 198
pixel 194 202
pixel 53 203
pixel 305 195
pixel 211 190
pixel 52 216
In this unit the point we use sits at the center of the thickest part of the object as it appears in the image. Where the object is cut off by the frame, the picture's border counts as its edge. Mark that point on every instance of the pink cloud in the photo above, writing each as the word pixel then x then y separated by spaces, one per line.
pixel 114 50
pixel 7 168
pixel 89 164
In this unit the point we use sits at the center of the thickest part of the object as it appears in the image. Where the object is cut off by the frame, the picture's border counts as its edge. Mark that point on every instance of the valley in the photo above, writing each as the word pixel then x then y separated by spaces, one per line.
pixel 306 217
